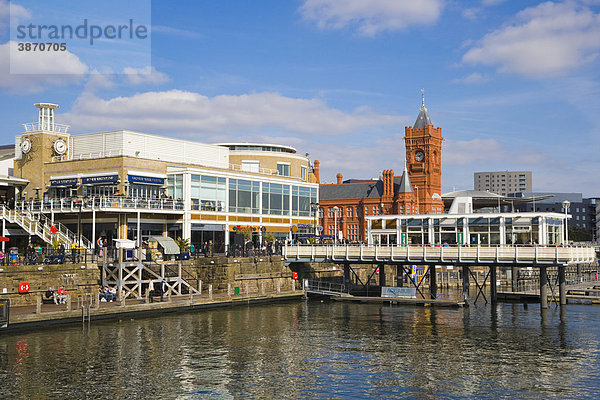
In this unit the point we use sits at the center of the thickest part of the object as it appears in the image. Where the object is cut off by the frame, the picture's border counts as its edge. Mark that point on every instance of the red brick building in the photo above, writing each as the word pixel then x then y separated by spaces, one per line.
pixel 417 190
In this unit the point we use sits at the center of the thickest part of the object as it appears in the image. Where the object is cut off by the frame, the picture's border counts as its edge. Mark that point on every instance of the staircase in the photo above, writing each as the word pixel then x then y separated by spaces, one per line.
pixel 42 230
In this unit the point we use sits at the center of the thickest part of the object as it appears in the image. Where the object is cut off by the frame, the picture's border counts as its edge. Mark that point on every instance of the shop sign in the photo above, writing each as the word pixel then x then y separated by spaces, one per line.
pixel 146 179
pixel 67 182
pixel 94 180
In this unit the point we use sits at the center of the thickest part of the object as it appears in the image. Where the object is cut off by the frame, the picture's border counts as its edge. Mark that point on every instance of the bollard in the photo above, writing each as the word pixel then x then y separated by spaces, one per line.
pixel 147 297
pixel 229 289
pixel 97 301
pixel 293 285
pixel 169 297
pixel 68 302
pixel 122 301
pixel 262 288
pixel 278 285
pixel 210 291
pixel 38 305
pixel 199 287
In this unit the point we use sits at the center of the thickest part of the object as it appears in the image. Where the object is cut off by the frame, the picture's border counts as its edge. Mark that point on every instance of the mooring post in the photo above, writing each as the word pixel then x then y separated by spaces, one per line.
pixel 579 277
pixel 465 283
pixel 210 291
pixel 493 287
pixel 229 289
pixel 543 288
pixel 514 275
pixel 562 285
pixel 38 305
pixel 432 282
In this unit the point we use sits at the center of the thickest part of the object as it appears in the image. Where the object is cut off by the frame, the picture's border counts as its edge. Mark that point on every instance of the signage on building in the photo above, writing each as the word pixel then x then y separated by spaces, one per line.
pixel 404 292
pixel 146 179
pixel 24 287
pixel 67 182
pixel 95 180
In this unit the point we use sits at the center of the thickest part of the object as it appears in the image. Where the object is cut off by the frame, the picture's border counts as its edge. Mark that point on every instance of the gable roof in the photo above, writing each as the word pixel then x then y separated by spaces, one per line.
pixel 371 189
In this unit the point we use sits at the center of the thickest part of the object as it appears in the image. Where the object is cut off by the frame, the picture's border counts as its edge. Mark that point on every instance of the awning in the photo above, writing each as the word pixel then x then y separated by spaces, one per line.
pixel 124 244
pixel 99 180
pixel 168 244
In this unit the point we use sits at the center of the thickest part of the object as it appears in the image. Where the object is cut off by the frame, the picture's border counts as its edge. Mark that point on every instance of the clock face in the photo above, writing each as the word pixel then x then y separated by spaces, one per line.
pixel 419 156
pixel 60 147
pixel 26 146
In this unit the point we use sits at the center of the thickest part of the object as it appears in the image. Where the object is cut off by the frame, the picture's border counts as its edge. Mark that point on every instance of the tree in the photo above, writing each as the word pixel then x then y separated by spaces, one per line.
pixel 247 232
pixel 182 243
pixel 269 237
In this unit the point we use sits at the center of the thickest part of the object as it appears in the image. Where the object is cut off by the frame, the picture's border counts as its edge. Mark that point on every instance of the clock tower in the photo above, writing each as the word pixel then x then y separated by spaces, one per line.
pixel 424 160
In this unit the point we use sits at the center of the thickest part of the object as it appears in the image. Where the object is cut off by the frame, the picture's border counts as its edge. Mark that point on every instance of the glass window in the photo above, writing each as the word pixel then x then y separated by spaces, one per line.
pixel 283 169
pixel 244 196
pixel 250 166
pixel 276 199
pixel 303 173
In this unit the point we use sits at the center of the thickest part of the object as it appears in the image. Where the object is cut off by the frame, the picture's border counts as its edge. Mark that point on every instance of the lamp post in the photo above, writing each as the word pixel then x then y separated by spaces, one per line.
pixel 335 213
pixel 381 209
pixel 315 208
pixel 566 205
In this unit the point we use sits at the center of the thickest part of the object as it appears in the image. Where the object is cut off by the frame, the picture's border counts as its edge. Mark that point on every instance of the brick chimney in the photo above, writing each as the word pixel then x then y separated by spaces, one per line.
pixel 316 170
pixel 339 177
pixel 388 183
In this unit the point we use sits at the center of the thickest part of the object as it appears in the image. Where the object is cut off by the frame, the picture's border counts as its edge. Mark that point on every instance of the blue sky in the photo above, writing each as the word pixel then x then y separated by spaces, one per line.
pixel 513 84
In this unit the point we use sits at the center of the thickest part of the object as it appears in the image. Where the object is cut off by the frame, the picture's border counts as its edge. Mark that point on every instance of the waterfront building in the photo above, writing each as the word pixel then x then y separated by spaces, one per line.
pixel 584 210
pixel 472 220
pixel 345 205
pixel 503 182
pixel 125 184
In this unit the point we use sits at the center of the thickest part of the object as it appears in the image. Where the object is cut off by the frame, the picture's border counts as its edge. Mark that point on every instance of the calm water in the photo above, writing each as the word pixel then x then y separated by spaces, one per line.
pixel 313 350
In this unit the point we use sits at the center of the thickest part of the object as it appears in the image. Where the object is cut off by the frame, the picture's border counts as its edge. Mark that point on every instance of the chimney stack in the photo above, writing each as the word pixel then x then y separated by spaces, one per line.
pixel 339 177
pixel 316 170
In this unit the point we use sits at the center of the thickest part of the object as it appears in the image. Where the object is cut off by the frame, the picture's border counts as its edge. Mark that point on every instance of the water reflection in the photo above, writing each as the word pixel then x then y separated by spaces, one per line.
pixel 314 350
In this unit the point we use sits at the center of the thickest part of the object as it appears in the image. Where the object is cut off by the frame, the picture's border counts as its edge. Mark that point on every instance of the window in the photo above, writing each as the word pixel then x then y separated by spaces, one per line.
pixel 276 199
pixel 303 172
pixel 302 197
pixel 283 169
pixel 366 210
pixel 349 211
pixel 250 166
pixel 321 213
pixel 243 196
pixel 330 212
pixel 208 193
pixel 175 186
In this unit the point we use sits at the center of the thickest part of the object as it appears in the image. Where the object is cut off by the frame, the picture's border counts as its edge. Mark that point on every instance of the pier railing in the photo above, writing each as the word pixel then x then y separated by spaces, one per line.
pixel 440 255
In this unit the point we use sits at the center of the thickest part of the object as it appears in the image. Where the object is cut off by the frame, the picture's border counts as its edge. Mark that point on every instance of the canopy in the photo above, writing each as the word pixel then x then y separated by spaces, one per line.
pixel 124 244
pixel 168 244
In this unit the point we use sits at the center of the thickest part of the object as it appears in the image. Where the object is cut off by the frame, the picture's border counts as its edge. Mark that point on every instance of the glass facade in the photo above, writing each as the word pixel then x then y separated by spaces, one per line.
pixel 275 199
pixel 301 199
pixel 244 196
pixel 208 193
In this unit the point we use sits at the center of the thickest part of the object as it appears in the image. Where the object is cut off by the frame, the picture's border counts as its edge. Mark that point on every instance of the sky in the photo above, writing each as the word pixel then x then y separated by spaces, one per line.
pixel 514 85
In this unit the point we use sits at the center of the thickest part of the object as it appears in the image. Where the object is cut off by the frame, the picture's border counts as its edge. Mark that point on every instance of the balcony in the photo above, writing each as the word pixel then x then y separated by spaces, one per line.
pixel 120 203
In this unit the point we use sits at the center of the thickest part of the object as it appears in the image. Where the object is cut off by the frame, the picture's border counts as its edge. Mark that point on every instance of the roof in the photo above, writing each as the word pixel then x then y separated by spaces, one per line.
pixel 167 243
pixel 487 199
pixel 371 189
pixel 423 119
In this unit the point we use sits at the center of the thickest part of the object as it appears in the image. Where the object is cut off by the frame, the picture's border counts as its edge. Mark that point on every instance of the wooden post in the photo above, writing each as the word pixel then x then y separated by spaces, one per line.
pixel 382 281
pixel 97 300
pixel 493 286
pixel 347 275
pixel 262 288
pixel 562 285
pixel 229 289
pixel 543 288
pixel 38 305
pixel 514 277
pixel 278 285
pixel 465 283
pixel 120 283
pixel 68 302
pixel 210 296
pixel 199 286
pixel 432 281
pixel 247 289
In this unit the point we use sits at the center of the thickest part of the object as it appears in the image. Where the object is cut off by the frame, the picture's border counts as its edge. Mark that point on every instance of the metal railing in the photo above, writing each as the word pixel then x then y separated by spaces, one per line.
pixel 425 254
pixel 320 286
pixel 43 229
pixel 99 203
pixel 52 127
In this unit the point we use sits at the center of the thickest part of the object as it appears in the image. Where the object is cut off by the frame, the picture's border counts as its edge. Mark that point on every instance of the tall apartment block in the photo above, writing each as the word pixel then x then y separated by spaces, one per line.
pixel 503 182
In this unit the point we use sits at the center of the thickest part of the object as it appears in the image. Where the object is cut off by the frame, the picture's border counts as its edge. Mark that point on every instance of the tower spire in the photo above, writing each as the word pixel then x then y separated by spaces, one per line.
pixel 423 97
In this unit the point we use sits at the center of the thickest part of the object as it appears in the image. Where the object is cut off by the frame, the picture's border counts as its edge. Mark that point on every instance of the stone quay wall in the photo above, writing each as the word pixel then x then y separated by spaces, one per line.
pixel 78 280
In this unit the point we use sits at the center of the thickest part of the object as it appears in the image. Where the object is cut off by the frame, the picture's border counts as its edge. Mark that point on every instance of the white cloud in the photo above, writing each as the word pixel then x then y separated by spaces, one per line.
pixel 547 40
pixel 491 2
pixel 137 76
pixel 474 78
pixel 33 72
pixel 8 10
pixel 371 16
pixel 184 112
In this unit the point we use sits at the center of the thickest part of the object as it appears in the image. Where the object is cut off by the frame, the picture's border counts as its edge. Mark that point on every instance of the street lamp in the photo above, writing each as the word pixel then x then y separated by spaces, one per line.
pixel 315 208
pixel 381 209
pixel 566 205
pixel 335 213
